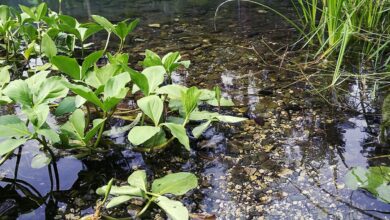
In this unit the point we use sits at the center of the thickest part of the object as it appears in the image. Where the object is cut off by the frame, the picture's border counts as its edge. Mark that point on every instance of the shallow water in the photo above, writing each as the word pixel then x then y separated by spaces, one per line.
pixel 278 166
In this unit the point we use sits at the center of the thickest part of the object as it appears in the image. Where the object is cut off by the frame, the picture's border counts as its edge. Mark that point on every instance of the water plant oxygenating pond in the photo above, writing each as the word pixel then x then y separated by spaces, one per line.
pixel 103 115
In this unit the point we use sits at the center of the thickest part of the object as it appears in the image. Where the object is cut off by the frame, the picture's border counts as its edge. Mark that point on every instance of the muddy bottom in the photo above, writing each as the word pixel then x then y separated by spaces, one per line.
pixel 288 161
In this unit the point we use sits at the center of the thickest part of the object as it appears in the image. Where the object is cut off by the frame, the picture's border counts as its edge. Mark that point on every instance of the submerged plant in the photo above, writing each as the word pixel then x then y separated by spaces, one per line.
pixel 137 188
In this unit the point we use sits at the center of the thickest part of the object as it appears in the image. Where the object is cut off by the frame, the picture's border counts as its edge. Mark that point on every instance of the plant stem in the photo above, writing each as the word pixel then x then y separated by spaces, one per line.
pixel 100 131
pixel 108 40
pixel 146 206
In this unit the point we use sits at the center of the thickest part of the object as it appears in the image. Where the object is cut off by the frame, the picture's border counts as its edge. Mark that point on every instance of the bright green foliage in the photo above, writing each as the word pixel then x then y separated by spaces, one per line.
pixel 176 184
pixel 170 61
pixel 374 179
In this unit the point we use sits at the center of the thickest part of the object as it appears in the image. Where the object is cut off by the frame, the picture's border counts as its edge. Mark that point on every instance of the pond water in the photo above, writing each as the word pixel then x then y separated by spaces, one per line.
pixel 287 162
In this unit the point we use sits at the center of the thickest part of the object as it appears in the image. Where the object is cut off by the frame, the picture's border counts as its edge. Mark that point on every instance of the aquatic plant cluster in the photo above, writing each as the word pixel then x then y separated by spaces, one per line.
pixel 46 74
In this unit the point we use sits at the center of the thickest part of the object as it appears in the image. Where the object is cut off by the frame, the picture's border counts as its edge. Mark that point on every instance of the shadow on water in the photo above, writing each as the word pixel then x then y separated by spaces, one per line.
pixel 287 162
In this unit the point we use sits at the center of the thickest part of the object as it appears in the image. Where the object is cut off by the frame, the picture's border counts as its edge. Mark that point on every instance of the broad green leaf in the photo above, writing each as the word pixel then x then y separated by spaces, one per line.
pixel 87 30
pixel 86 93
pixel 152 106
pixel 230 119
pixel 173 91
pixel 151 59
pixel 202 115
pixel 40 160
pixel 120 30
pixel 90 60
pixel 156 140
pixel 28 11
pixel 49 48
pixel 37 114
pixel 99 76
pixel 68 66
pixel 4 75
pixel 97 124
pixel 179 132
pixel 175 210
pixel 36 81
pixel 104 23
pixel 198 130
pixel 118 201
pixel 206 95
pixel 115 90
pixel 169 59
pixel 75 126
pixel 190 100
pixel 50 134
pixel 67 105
pixel 121 190
pixel 12 126
pixel 155 76
pixel 138 179
pixel 223 102
pixel 139 134
pixel 19 92
pixel 41 11
pixel 376 180
pixel 176 183
pixel 132 25
pixel 9 145
pixel 53 88
pixel 139 79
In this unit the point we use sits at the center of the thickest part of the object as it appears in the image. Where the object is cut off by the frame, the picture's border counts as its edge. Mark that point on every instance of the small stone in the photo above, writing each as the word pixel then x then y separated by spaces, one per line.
pixel 154 25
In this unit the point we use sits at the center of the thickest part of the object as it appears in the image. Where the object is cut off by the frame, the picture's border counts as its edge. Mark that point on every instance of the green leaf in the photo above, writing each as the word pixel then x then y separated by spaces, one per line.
pixel 169 59
pixel 190 100
pixel 19 92
pixel 12 126
pixel 41 11
pixel 155 76
pixel 9 145
pixel 121 30
pixel 53 88
pixel 117 131
pixel 176 183
pixel 28 11
pixel 152 106
pixel 4 75
pixel 99 77
pixel 202 115
pixel 68 66
pixel 121 190
pixel 97 124
pixel 198 131
pixel 49 48
pixel 156 140
pixel 67 105
pixel 37 114
pixel 50 134
pixel 118 201
pixel 173 91
pixel 86 93
pixel 223 102
pixel 139 79
pixel 104 23
pixel 175 210
pixel 75 126
pixel 179 132
pixel 151 59
pixel 139 134
pixel 87 30
pixel 40 160
pixel 115 90
pixel 90 60
pixel 138 179
pixel 230 119
pixel 132 25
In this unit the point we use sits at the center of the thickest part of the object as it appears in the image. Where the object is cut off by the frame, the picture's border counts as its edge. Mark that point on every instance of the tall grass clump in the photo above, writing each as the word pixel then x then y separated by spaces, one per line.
pixel 341 28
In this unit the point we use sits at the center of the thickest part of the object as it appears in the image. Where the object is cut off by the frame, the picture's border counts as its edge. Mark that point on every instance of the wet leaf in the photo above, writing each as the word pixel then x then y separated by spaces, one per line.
pixel 198 131
pixel 176 183
pixel 152 106
pixel 49 48
pixel 40 160
pixel 121 190
pixel 174 209
pixel 118 201
pixel 138 179
pixel 139 134
pixel 12 126
pixel 179 132
pixel 9 145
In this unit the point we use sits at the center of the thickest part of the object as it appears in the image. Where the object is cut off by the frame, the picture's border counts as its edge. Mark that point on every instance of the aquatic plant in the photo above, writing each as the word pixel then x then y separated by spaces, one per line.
pixel 374 179
pixel 137 188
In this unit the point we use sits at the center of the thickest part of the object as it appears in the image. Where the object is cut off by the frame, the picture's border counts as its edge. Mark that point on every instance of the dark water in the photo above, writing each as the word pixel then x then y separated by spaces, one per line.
pixel 279 166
